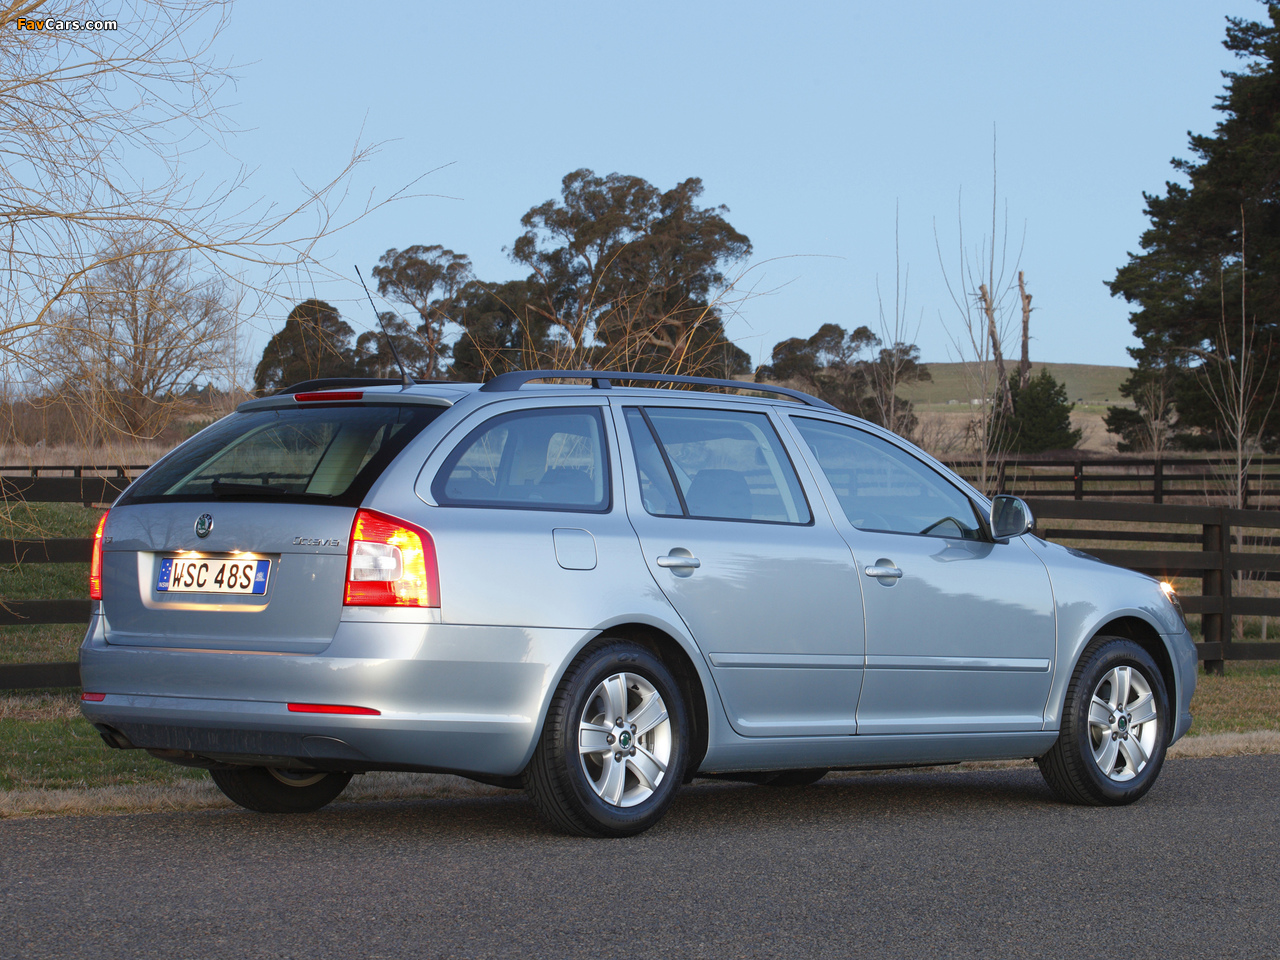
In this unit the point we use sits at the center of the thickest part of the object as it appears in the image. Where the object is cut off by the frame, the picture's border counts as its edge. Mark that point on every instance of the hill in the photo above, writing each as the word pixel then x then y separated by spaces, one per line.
pixel 1088 385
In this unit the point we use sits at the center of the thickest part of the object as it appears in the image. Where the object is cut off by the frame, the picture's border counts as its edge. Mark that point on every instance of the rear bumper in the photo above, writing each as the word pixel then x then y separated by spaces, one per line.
pixel 456 698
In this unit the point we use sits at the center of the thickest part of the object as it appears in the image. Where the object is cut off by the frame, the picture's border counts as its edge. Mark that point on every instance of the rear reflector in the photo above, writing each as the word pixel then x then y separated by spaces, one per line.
pixel 329 395
pixel 95 561
pixel 390 563
pixel 333 708
pixel 93 697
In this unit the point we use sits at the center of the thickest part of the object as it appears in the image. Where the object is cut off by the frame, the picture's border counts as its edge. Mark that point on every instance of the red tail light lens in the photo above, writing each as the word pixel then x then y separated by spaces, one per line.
pixel 93 697
pixel 95 561
pixel 390 563
pixel 331 395
pixel 333 708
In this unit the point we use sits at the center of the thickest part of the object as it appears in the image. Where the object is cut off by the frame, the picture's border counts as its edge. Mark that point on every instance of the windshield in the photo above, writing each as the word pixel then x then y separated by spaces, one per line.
pixel 328 454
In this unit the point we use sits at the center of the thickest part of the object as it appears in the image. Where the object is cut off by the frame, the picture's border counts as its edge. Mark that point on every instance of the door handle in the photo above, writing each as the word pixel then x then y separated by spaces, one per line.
pixel 883 570
pixel 675 561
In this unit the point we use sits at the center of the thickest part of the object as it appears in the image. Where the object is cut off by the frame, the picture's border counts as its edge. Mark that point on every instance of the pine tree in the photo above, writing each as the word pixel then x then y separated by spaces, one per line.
pixel 1189 275
pixel 1041 418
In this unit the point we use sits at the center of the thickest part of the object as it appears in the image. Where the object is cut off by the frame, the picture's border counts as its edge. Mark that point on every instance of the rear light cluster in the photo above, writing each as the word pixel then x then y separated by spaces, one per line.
pixel 390 563
pixel 95 561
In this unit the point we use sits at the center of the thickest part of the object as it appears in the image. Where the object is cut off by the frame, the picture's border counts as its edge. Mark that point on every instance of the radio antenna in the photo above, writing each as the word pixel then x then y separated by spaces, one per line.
pixel 404 374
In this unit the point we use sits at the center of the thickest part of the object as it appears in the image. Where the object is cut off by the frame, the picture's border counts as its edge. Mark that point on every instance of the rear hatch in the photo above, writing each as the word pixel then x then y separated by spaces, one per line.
pixel 238 539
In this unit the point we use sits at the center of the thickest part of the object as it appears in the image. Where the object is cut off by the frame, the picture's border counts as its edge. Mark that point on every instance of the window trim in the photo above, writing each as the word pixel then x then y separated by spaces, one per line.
pixel 686 515
pixel 437 485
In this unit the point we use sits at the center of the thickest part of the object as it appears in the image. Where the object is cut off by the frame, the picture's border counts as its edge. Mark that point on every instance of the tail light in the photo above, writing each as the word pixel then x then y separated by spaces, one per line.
pixel 95 561
pixel 390 563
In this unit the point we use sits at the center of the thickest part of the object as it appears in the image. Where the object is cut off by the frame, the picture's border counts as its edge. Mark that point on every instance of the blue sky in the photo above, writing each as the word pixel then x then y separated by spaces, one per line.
pixel 812 122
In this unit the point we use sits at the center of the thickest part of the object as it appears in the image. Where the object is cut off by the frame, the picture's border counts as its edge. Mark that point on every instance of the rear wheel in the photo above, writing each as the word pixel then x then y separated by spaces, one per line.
pixel 1115 727
pixel 271 790
pixel 614 745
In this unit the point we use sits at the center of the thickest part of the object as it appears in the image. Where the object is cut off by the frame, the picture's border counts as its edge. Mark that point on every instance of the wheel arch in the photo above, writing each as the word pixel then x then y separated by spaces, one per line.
pixel 1129 625
pixel 1148 638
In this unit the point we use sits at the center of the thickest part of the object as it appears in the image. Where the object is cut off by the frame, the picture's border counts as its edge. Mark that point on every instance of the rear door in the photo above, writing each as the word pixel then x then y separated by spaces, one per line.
pixel 764 583
pixel 525 519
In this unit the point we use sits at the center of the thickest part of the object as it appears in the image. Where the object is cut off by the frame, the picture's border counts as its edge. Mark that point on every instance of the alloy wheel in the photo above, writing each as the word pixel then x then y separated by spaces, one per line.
pixel 624 739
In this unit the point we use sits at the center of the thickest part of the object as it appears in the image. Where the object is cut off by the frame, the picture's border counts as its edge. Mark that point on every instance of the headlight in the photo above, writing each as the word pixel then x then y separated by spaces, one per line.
pixel 1172 596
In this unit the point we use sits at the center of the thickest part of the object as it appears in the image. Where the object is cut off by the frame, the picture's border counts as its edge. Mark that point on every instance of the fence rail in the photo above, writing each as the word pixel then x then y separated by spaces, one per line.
pixel 1219 561
pixel 1204 480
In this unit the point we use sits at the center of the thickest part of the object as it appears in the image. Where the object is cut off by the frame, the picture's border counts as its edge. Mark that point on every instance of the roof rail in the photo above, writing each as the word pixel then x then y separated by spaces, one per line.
pixel 601 380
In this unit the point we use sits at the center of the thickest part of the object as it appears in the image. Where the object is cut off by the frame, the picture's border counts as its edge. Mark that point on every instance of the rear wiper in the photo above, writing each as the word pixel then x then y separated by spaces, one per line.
pixel 225 488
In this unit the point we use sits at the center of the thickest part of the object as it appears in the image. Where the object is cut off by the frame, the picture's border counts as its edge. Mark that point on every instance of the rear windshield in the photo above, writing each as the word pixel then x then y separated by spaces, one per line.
pixel 314 454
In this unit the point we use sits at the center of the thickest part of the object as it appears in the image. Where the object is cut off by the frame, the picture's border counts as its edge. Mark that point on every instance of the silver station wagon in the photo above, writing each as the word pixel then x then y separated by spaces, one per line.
pixel 597 592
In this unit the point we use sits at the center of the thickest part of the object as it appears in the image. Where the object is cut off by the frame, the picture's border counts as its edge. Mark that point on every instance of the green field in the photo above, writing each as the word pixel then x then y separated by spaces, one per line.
pixel 47 643
pixel 1087 385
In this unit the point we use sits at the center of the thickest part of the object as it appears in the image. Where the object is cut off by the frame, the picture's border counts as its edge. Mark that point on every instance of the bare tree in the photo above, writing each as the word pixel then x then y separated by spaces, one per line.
pixel 1233 375
pixel 898 363
pixel 1024 366
pixel 100 131
pixel 982 293
pixel 130 345
pixel 1153 398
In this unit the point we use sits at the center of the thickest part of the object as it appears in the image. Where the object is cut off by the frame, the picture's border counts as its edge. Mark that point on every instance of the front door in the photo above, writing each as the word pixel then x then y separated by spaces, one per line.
pixel 960 630
pixel 765 585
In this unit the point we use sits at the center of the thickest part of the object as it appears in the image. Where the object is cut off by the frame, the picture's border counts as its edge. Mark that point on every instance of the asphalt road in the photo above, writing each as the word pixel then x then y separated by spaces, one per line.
pixel 980 864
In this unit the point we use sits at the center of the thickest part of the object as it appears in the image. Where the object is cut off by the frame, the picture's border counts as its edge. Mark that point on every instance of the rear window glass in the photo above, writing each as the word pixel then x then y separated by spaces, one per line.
pixel 325 454
pixel 548 459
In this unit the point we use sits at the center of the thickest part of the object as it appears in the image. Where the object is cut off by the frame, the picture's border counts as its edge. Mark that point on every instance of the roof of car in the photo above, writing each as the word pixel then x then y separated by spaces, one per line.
pixel 450 391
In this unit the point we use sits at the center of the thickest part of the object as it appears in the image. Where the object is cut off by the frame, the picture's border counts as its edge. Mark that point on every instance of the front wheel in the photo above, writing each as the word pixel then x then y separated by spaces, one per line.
pixel 614 745
pixel 270 790
pixel 1115 728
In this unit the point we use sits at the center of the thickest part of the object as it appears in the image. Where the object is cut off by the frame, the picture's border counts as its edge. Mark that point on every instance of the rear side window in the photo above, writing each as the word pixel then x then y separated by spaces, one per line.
pixel 546 459
pixel 324 454
pixel 719 465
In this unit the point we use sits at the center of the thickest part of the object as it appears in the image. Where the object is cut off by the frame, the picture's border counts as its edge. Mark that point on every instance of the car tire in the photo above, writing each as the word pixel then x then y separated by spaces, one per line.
pixel 268 790
pixel 1115 727
pixel 614 745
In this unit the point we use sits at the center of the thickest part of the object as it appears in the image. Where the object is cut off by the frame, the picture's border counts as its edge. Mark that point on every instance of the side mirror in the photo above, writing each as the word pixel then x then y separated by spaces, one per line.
pixel 1010 517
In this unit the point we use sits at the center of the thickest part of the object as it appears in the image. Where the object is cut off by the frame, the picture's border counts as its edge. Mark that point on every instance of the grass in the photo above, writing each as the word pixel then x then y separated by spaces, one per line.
pixel 45 743
pixel 1245 700
pixel 45 643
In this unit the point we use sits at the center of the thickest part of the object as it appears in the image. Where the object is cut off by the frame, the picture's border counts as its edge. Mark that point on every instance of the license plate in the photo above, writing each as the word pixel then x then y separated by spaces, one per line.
pixel 212 575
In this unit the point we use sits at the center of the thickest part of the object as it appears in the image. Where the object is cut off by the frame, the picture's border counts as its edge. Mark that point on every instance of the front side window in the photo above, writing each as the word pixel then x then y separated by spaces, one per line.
pixel 881 487
pixel 715 465
pixel 550 459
